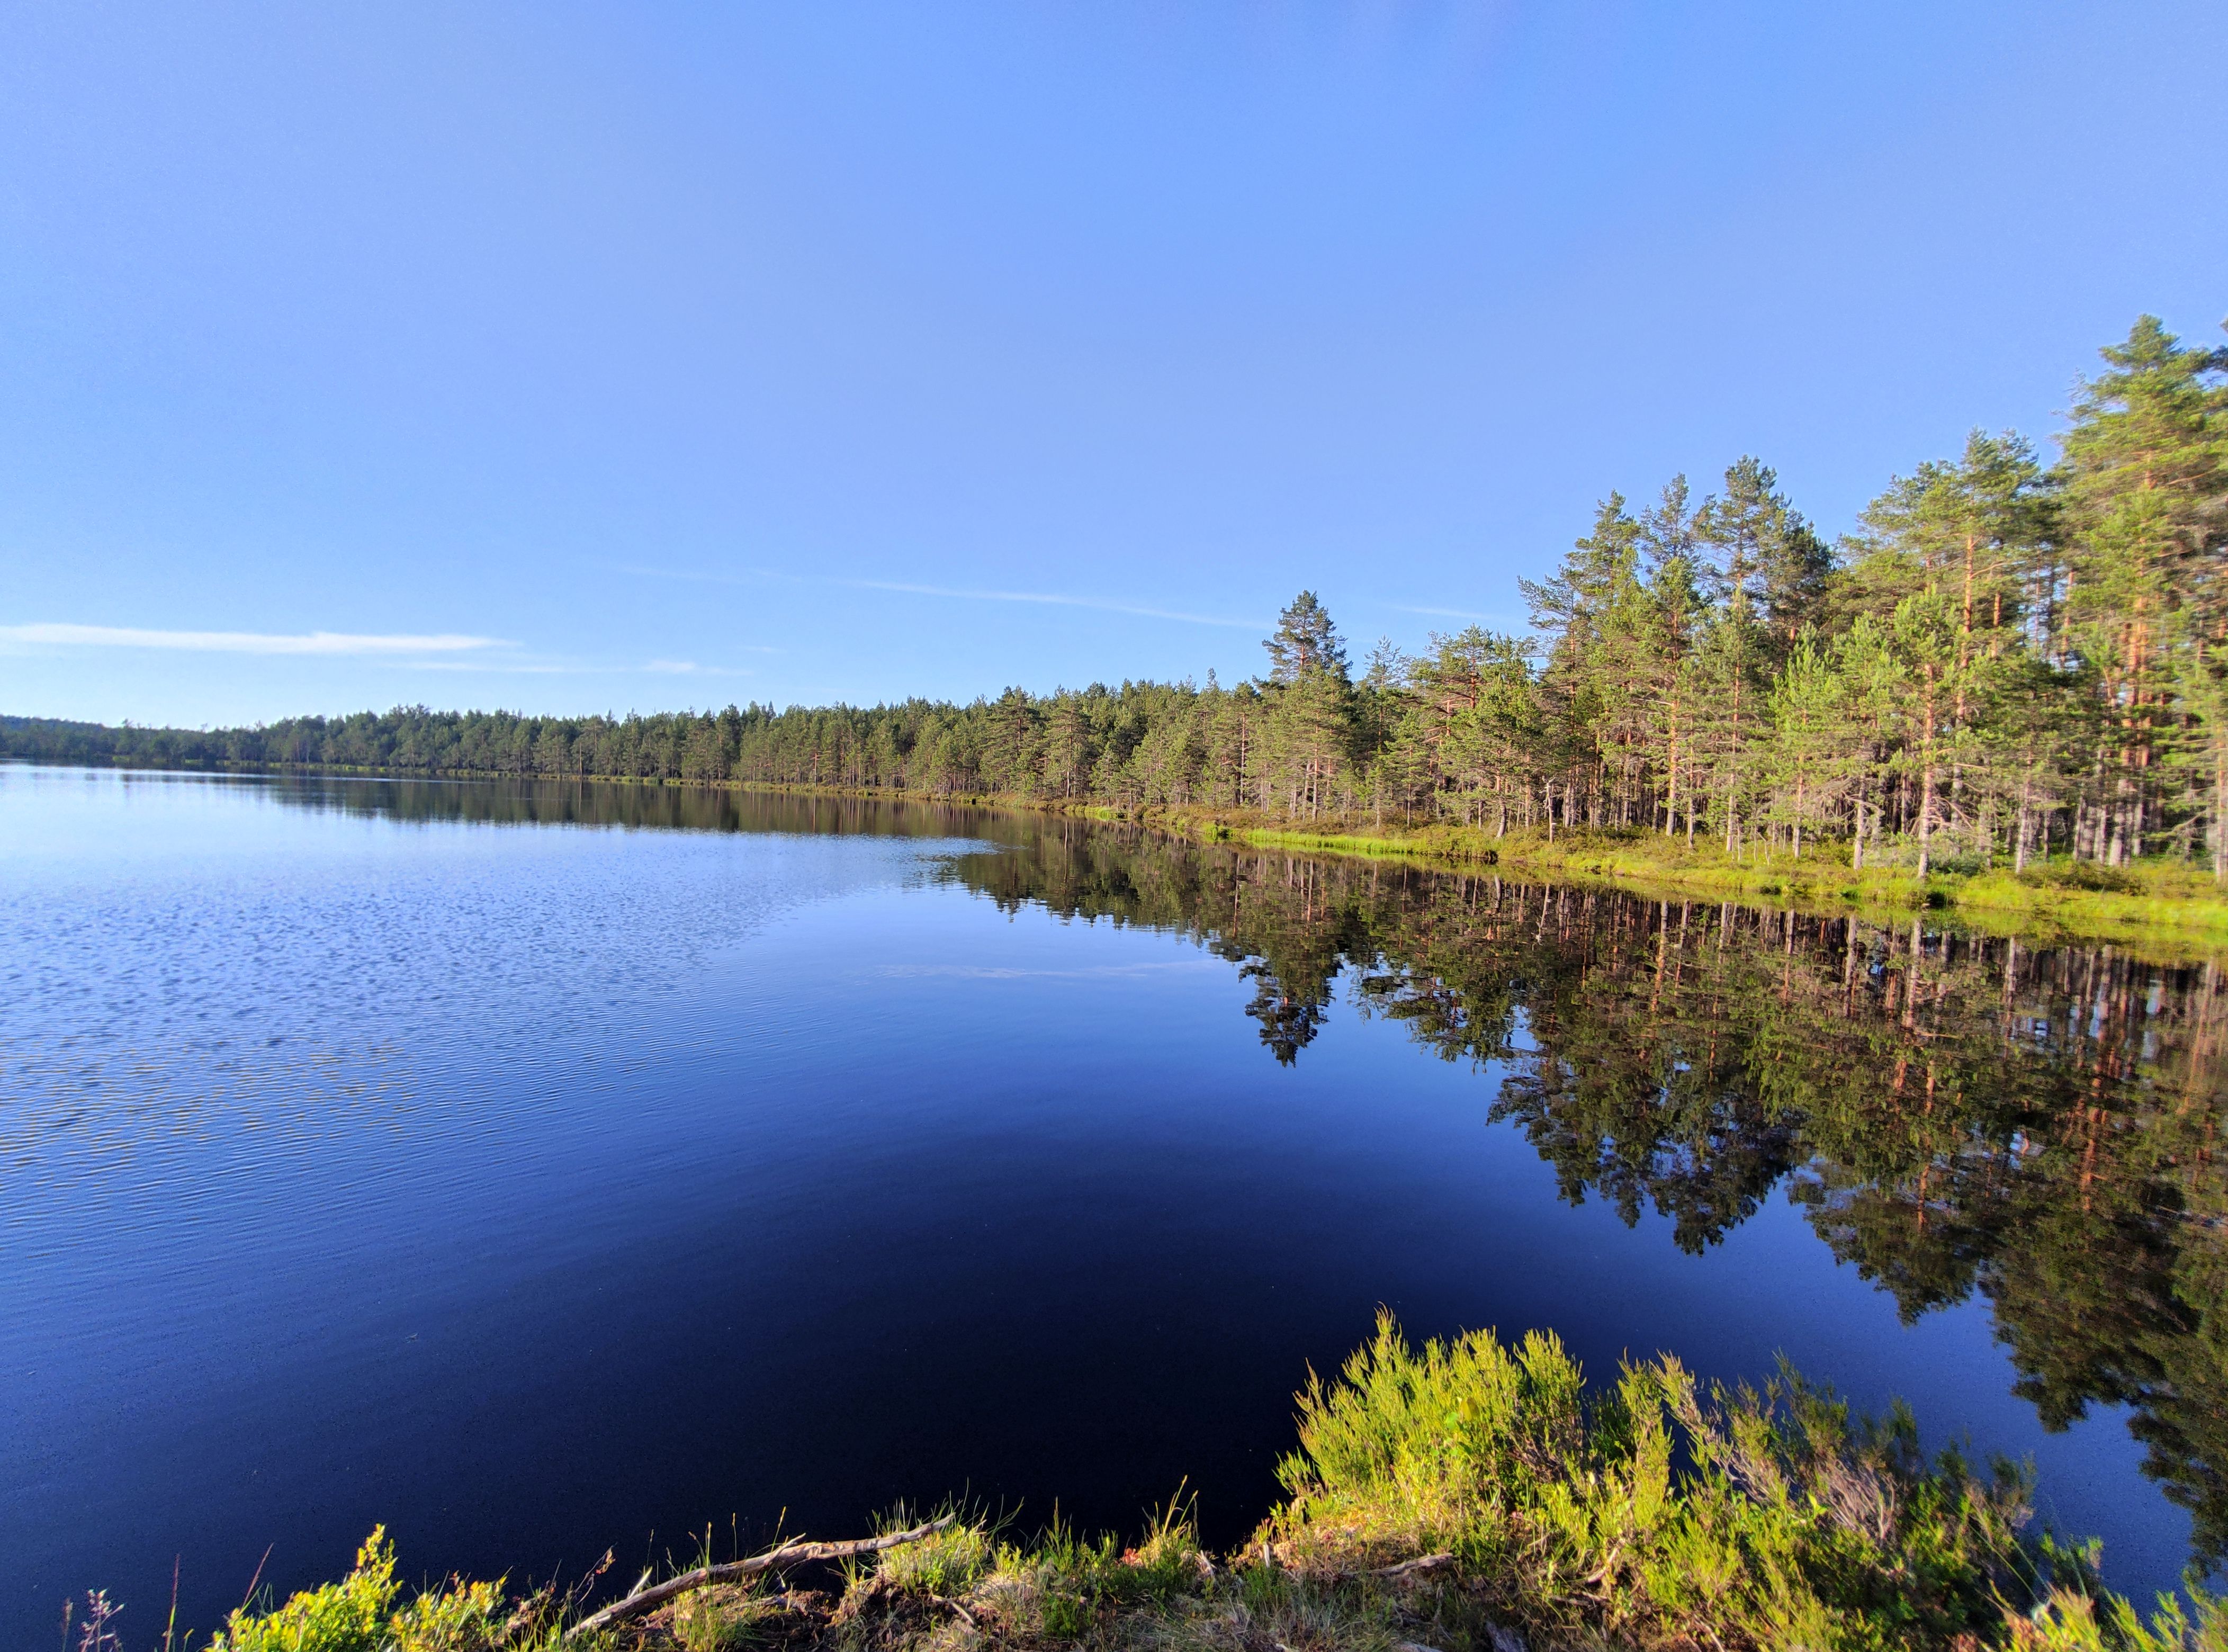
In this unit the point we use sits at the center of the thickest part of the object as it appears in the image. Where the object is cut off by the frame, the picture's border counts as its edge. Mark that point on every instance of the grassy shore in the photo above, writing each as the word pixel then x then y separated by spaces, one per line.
pixel 2160 902
pixel 2171 907
pixel 2168 907
pixel 1466 1496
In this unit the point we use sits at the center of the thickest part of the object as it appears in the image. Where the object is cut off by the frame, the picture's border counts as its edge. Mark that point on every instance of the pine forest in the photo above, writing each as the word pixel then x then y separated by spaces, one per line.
pixel 2009 658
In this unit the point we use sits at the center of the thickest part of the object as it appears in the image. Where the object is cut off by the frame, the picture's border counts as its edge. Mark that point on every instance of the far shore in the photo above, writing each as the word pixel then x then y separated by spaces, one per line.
pixel 2158 904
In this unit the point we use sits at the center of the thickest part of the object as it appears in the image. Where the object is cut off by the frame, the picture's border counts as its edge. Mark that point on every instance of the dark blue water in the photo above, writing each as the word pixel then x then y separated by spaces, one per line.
pixel 543 1171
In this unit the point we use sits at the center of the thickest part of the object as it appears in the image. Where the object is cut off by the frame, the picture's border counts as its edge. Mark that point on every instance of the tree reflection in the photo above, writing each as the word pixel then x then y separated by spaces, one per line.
pixel 1953 1113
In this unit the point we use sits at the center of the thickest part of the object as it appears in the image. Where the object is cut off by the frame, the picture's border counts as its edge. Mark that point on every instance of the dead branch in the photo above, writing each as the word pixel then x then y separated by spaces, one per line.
pixel 1421 1563
pixel 795 1552
pixel 959 1611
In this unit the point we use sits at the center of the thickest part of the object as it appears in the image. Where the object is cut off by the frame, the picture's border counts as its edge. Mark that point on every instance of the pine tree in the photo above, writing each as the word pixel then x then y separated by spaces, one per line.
pixel 1305 640
pixel 1310 707
pixel 1763 553
pixel 2145 480
pixel 1671 551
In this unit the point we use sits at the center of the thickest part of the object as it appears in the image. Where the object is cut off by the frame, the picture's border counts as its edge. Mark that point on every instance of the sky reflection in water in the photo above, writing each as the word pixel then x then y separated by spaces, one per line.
pixel 538 1168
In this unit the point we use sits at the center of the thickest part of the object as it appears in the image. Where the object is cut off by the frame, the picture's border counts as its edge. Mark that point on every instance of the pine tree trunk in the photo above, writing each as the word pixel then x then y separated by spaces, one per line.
pixel 1926 784
pixel 2218 824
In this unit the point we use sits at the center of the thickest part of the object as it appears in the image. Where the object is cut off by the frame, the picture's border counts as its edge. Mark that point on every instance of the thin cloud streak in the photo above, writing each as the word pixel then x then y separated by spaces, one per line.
pixel 1449 613
pixel 243 642
pixel 1052 600
pixel 751 576
pixel 654 668
pixel 491 668
pixel 390 650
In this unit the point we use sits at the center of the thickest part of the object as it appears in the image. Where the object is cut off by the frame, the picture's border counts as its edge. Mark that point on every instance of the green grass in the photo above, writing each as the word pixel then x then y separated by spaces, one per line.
pixel 1651 1513
pixel 2166 905
pixel 2167 908
pixel 2145 902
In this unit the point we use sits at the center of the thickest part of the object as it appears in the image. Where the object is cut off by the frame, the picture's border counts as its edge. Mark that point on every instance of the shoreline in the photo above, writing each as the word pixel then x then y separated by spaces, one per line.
pixel 1461 1496
pixel 2152 905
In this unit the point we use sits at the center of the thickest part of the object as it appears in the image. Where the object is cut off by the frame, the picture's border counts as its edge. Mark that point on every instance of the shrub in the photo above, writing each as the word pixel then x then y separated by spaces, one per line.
pixel 350 1615
pixel 1652 1514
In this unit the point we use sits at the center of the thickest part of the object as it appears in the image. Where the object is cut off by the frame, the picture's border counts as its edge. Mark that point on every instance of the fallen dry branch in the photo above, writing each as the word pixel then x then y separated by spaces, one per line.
pixel 958 1611
pixel 795 1552
pixel 1421 1563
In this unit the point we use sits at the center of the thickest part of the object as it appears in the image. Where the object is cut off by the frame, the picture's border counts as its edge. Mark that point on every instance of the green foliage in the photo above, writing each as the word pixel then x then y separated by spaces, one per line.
pixel 719 1619
pixel 459 1616
pixel 1652 1514
pixel 360 1614
pixel 2070 1620
pixel 355 1614
pixel 1064 1616
pixel 950 1563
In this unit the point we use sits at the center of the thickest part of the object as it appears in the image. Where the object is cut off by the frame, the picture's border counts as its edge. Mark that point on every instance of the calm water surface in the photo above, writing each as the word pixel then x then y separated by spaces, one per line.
pixel 544 1169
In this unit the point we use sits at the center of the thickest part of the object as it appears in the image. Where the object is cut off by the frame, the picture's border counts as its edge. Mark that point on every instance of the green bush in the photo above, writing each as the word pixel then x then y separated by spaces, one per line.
pixel 351 1616
pixel 1652 1514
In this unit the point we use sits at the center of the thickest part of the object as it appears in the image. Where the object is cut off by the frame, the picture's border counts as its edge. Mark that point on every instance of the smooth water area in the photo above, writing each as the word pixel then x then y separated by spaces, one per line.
pixel 544 1169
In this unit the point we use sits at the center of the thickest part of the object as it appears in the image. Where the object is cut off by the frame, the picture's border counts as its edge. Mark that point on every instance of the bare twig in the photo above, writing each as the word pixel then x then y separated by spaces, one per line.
pixel 795 1552
pixel 577 1596
pixel 1421 1563
pixel 963 1615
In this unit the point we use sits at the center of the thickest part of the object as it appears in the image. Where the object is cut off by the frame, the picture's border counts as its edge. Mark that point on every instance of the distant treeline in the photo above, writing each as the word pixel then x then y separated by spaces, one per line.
pixel 2007 659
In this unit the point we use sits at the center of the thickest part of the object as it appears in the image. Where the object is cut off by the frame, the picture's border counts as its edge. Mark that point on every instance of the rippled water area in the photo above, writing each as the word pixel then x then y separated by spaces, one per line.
pixel 540 1169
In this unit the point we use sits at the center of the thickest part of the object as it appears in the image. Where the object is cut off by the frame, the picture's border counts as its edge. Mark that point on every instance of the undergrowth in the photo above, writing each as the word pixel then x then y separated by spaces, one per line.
pixel 1460 1496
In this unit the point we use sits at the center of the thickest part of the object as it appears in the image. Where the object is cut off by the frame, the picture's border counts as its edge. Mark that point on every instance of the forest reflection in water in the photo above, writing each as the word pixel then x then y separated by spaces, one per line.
pixel 1955 1113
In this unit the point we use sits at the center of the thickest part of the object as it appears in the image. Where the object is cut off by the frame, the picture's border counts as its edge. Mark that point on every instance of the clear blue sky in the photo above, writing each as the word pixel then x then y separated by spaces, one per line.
pixel 574 358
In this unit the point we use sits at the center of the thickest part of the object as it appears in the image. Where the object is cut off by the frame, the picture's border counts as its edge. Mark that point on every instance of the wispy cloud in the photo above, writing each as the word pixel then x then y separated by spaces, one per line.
pixel 405 651
pixel 1054 600
pixel 545 669
pixel 957 593
pixel 522 669
pixel 244 641
pixel 1450 613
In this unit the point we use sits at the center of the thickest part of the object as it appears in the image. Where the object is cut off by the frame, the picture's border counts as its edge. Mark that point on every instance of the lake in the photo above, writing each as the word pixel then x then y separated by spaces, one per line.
pixel 543 1168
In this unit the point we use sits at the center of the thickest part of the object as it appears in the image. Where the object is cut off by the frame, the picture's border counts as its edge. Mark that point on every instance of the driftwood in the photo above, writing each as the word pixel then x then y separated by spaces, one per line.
pixel 795 1552
pixel 1421 1563
pixel 1402 1569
